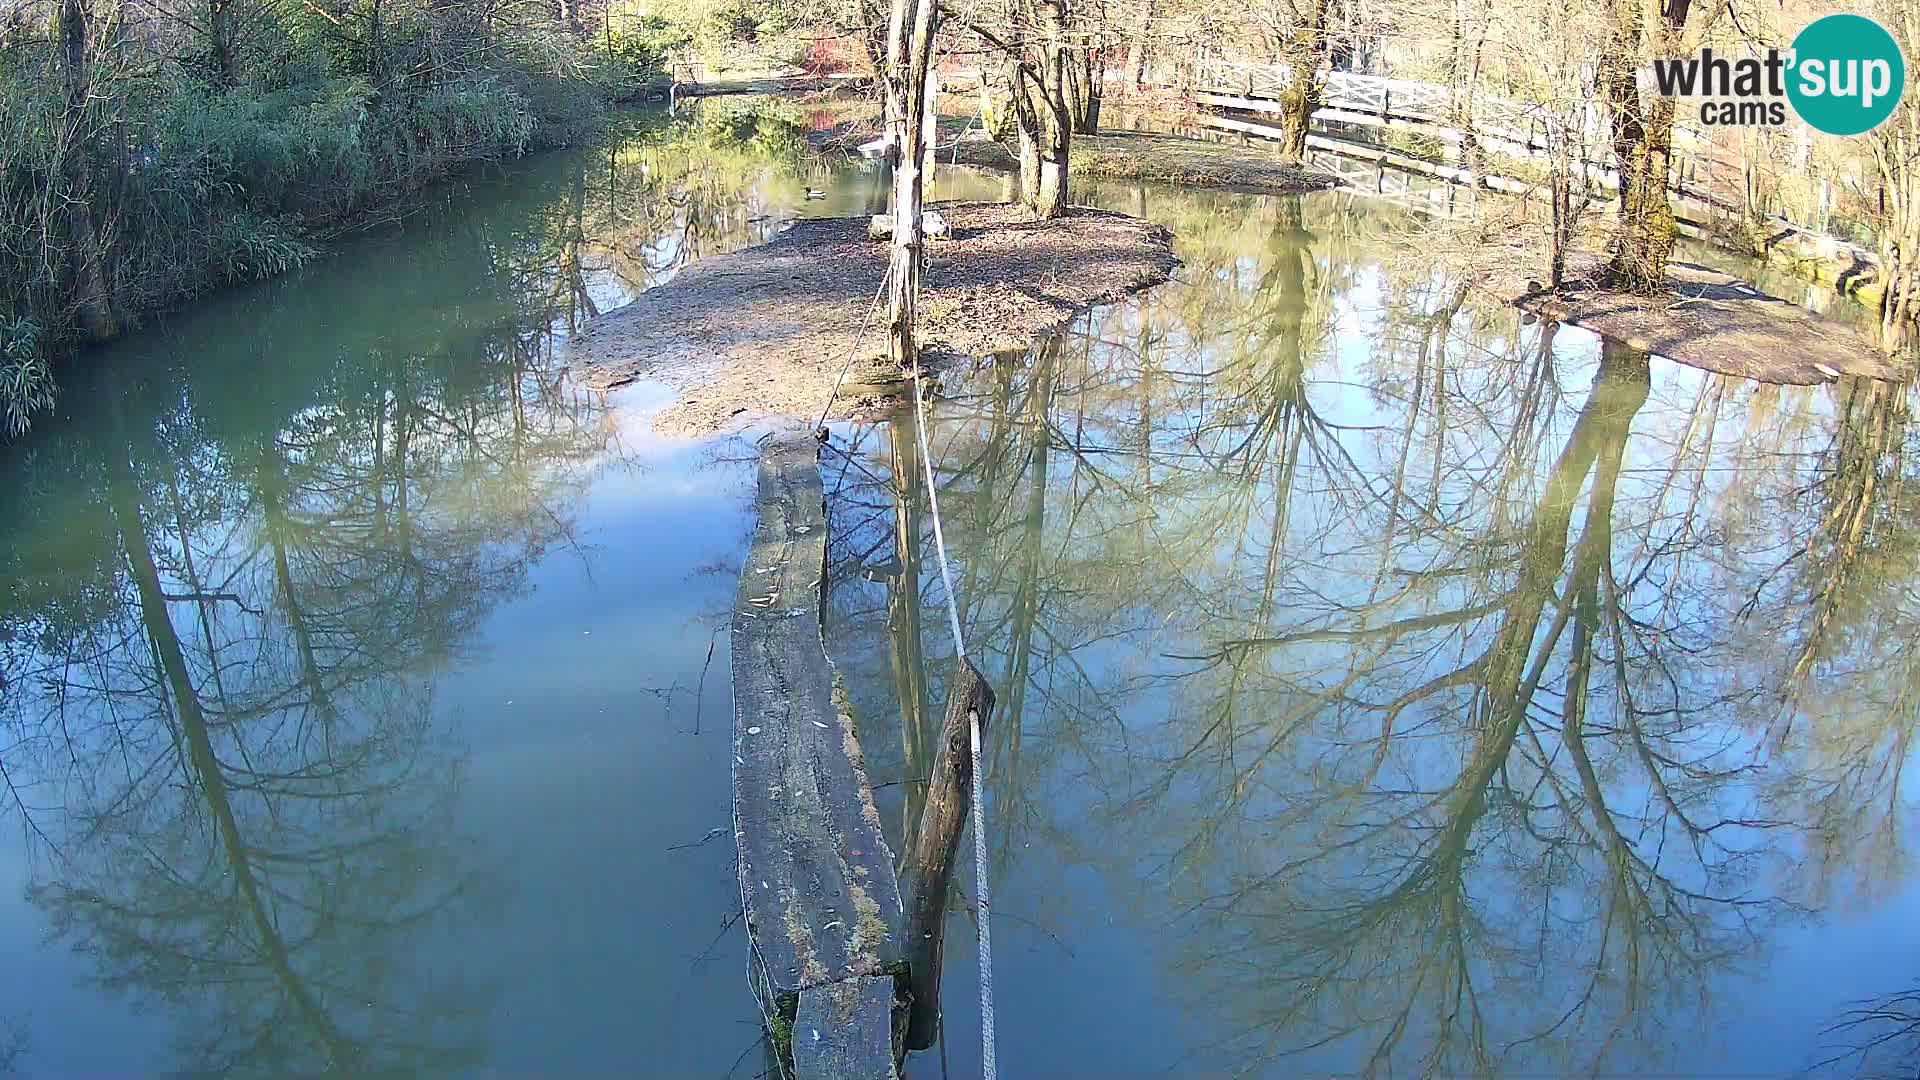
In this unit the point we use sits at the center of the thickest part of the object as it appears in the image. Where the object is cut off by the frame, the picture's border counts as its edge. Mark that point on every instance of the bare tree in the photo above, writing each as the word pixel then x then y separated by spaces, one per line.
pixel 1642 122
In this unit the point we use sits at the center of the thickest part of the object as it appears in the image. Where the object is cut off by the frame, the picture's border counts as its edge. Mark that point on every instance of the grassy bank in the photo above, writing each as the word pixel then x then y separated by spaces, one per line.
pixel 142 162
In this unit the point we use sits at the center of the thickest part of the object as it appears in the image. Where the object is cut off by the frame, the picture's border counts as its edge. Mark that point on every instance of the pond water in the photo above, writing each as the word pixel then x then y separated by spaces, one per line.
pixel 1383 683
pixel 1390 686
pixel 363 697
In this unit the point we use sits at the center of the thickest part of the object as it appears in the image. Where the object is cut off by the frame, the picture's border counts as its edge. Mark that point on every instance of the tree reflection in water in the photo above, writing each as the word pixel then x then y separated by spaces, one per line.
pixel 236 585
pixel 1477 700
pixel 247 796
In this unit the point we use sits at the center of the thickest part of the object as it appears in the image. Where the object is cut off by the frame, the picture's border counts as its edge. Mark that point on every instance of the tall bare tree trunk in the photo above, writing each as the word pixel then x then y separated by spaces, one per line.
pixel 1029 160
pixel 1896 146
pixel 220 29
pixel 1137 54
pixel 1039 80
pixel 1302 51
pixel 1085 86
pixel 909 55
pixel 93 303
pixel 376 49
pixel 1642 143
pixel 1055 137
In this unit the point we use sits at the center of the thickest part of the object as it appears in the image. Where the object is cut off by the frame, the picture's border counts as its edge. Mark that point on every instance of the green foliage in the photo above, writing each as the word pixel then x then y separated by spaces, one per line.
pixel 1415 145
pixel 639 47
pixel 767 126
pixel 185 180
pixel 290 150
pixel 26 385
pixel 742 33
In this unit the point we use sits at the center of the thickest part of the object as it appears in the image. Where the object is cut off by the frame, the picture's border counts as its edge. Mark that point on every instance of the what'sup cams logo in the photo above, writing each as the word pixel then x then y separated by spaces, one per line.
pixel 1844 75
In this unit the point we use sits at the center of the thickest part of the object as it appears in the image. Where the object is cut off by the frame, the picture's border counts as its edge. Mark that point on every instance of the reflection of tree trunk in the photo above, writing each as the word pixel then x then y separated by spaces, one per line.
pixel 403 425
pixel 1524 441
pixel 903 618
pixel 1147 390
pixel 571 271
pixel 378 474
pixel 271 487
pixel 1619 389
pixel 1592 557
pixel 1398 491
pixel 1026 596
pixel 1286 384
pixel 1867 445
pixel 206 766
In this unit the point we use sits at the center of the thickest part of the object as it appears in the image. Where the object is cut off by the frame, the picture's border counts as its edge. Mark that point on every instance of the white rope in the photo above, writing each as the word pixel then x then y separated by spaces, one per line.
pixel 933 503
pixel 985 894
pixel 853 353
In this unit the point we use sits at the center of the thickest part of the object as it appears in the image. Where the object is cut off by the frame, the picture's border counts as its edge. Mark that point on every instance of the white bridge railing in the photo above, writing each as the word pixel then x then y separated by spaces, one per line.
pixel 1518 129
pixel 1390 99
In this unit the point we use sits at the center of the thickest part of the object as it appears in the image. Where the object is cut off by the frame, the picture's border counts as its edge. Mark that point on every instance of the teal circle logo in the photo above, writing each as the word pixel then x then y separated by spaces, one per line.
pixel 1847 74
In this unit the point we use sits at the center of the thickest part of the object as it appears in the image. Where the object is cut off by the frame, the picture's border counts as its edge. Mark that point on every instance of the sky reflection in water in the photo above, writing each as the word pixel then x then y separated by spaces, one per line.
pixel 1383 683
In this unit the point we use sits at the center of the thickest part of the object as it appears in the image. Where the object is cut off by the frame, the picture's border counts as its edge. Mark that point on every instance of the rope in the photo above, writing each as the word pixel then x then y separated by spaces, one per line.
pixel 988 1069
pixel 985 898
pixel 820 425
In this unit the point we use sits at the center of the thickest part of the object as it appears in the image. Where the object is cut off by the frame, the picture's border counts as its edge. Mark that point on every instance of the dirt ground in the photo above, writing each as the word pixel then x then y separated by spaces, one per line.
pixel 766 331
pixel 1164 158
pixel 1707 319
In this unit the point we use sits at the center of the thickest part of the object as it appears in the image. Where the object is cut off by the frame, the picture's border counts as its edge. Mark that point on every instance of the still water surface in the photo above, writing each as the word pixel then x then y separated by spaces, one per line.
pixel 1392 687
pixel 1384 684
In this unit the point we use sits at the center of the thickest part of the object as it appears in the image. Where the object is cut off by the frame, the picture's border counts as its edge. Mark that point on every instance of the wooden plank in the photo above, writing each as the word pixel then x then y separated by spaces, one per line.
pixel 842 1031
pixel 817 884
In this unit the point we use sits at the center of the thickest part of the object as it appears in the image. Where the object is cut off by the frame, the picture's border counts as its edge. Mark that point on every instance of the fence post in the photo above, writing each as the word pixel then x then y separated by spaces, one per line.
pixel 926 877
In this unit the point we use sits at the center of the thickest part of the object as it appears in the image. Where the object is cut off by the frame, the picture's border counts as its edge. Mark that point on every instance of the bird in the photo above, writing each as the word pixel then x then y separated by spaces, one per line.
pixel 816 193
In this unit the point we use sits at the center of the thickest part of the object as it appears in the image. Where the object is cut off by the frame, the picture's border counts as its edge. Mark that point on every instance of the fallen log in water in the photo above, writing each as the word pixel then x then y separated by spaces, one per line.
pixel 927 876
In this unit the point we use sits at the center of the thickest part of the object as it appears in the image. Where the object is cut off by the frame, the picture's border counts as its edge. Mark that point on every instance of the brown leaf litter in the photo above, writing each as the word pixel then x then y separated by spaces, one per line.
pixel 766 331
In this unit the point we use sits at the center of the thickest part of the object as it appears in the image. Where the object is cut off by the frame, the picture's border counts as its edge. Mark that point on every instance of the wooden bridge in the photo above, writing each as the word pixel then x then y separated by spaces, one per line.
pixel 1495 125
pixel 1240 95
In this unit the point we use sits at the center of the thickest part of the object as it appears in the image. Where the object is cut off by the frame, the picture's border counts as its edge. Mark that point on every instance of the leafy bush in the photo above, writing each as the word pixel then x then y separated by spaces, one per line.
pixel 26 384
pixel 640 47
pixel 182 177
pixel 747 32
